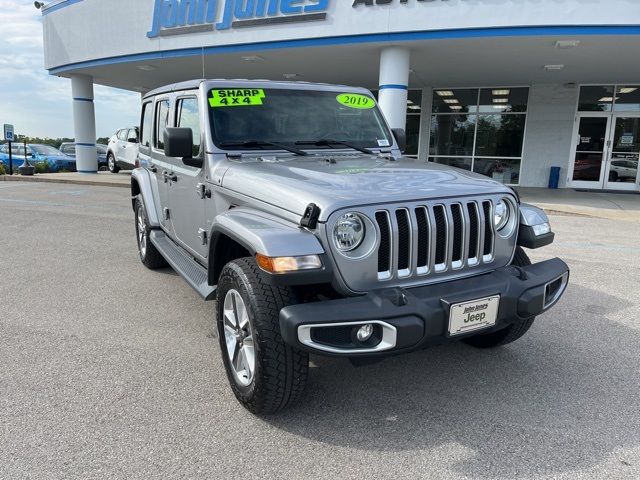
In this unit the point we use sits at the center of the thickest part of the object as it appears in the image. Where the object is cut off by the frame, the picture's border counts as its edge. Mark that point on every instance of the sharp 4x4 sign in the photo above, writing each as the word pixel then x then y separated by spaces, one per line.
pixel 8 133
pixel 179 17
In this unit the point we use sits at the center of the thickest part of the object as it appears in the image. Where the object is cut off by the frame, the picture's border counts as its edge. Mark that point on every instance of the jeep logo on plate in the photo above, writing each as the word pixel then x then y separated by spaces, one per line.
pixel 477 314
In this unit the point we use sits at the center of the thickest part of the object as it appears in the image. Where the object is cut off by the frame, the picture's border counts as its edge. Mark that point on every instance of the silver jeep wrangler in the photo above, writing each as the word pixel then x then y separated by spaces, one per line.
pixel 291 205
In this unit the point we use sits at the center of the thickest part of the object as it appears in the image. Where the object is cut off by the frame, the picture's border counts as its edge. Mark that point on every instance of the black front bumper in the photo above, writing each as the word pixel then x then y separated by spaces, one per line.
pixel 420 316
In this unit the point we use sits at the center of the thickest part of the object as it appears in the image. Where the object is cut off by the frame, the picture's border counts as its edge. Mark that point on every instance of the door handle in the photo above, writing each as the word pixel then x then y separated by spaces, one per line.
pixel 169 176
pixel 203 191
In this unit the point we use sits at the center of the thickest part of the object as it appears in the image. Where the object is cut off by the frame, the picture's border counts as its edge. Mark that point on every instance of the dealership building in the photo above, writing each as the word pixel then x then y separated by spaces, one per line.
pixel 506 88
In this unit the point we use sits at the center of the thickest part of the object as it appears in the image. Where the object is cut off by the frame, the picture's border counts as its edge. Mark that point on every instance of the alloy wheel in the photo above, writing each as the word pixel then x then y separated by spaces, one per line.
pixel 239 338
pixel 142 234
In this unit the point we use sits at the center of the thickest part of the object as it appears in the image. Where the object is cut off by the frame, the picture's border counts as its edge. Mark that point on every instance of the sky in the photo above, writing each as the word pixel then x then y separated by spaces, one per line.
pixel 39 104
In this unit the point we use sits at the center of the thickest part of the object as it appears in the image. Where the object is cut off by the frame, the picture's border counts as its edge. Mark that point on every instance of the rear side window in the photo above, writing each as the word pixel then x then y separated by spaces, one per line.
pixel 18 150
pixel 133 134
pixel 162 121
pixel 188 117
pixel 147 124
pixel 122 135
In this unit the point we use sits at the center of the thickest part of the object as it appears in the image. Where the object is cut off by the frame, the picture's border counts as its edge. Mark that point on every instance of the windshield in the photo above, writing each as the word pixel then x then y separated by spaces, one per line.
pixel 102 149
pixel 46 150
pixel 244 119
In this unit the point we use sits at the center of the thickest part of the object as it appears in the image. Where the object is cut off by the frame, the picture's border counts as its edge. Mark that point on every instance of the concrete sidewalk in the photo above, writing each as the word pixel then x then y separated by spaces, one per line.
pixel 614 206
pixel 101 179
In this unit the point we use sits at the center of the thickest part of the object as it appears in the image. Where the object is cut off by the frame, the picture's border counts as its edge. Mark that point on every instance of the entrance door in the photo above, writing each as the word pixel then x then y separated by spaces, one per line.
pixel 607 152
pixel 590 159
pixel 622 162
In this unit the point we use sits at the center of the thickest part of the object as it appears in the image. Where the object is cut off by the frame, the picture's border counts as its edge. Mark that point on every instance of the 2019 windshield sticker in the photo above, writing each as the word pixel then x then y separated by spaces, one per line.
pixel 238 97
pixel 356 100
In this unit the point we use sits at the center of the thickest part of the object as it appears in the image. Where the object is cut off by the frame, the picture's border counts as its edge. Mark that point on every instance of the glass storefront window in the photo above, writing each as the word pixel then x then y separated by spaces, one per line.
pixel 413 135
pixel 505 170
pixel 490 140
pixel 458 162
pixel 500 135
pixel 452 135
pixel 502 100
pixel 455 101
pixel 414 110
pixel 596 99
pixel 627 99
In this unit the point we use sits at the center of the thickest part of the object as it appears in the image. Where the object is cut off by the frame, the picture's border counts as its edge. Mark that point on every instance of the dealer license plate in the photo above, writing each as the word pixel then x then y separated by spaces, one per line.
pixel 474 315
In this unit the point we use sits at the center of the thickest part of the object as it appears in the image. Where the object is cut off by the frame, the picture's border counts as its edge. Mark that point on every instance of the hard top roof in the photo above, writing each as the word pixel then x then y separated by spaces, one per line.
pixel 243 83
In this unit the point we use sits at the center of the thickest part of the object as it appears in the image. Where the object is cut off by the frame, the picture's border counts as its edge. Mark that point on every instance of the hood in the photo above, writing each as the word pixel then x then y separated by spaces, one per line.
pixel 338 181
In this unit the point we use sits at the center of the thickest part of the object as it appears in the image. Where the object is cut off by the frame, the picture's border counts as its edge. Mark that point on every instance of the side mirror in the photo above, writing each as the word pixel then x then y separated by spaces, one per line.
pixel 193 162
pixel 132 140
pixel 178 142
pixel 401 137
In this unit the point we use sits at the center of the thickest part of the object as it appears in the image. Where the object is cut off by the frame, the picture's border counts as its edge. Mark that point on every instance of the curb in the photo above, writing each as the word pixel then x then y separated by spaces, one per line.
pixel 592 212
pixel 99 183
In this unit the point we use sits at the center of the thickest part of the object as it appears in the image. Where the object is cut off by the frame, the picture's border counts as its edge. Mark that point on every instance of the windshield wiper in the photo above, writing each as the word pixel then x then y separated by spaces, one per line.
pixel 260 143
pixel 326 142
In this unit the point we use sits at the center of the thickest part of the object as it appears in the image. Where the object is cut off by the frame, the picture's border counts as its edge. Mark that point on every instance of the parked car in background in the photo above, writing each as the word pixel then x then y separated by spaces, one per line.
pixel 69 148
pixel 122 151
pixel 624 170
pixel 54 158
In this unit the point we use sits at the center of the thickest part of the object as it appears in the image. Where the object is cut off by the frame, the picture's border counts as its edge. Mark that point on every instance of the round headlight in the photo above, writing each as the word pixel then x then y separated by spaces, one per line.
pixel 348 232
pixel 501 214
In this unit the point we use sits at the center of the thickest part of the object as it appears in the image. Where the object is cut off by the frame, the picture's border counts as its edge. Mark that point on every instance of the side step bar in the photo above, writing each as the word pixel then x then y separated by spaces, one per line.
pixel 192 272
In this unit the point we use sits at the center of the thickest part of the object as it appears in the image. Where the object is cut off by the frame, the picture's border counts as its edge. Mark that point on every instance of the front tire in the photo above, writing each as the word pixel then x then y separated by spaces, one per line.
pixel 265 374
pixel 149 254
pixel 111 164
pixel 514 331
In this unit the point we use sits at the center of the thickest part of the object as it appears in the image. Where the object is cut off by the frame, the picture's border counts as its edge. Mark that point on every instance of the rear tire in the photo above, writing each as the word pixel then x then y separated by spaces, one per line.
pixel 149 255
pixel 269 375
pixel 111 164
pixel 514 331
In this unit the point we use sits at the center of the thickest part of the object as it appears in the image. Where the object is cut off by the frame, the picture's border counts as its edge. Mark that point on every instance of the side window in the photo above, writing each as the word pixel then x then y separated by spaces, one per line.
pixel 17 150
pixel 122 135
pixel 133 133
pixel 147 124
pixel 188 117
pixel 162 121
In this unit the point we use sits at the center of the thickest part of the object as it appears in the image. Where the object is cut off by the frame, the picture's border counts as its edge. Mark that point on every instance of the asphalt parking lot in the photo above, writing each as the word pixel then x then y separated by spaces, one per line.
pixel 109 370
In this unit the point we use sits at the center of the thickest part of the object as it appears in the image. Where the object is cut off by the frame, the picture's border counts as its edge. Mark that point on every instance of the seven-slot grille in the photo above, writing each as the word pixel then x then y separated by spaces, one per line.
pixel 419 240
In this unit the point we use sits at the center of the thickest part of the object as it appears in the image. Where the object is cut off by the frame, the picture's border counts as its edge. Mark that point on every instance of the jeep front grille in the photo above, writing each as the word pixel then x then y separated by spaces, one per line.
pixel 425 239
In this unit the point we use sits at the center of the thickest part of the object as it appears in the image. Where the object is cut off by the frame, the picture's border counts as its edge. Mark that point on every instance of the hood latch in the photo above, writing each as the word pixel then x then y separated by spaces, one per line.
pixel 311 216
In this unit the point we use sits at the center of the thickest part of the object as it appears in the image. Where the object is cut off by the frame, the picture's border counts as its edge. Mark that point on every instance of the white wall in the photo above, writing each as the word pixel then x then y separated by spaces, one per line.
pixel 98 29
pixel 550 122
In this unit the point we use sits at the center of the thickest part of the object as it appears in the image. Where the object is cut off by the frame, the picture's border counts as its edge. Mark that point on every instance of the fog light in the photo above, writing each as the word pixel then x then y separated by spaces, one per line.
pixel 364 332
